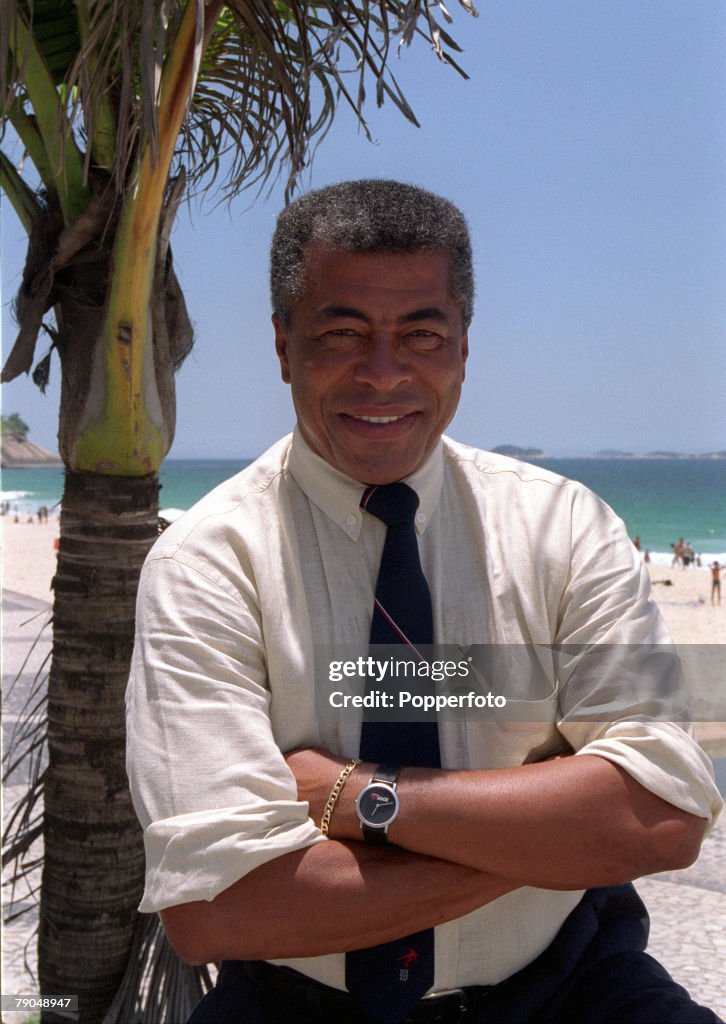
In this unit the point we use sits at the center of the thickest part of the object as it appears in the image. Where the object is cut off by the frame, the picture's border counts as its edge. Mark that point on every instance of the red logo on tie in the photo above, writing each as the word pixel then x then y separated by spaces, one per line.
pixel 409 957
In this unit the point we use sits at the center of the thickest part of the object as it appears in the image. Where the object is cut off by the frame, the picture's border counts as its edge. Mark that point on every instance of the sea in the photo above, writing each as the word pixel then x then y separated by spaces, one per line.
pixel 660 499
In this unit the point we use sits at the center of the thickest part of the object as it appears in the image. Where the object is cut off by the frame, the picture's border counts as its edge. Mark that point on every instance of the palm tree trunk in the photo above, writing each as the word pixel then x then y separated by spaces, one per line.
pixel 94 859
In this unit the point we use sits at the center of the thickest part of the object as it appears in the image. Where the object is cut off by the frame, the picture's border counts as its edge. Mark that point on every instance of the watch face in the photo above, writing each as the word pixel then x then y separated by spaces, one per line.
pixel 377 805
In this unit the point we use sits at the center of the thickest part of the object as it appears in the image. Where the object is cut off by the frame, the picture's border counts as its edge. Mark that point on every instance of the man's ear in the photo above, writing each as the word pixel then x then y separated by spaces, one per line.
pixel 464 355
pixel 281 347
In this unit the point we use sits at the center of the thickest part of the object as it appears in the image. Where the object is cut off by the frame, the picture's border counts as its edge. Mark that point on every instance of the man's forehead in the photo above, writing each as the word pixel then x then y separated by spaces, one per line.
pixel 320 249
pixel 327 264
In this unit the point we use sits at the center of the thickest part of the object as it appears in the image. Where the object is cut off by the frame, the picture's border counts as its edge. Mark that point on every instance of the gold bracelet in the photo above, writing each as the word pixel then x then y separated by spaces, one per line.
pixel 335 793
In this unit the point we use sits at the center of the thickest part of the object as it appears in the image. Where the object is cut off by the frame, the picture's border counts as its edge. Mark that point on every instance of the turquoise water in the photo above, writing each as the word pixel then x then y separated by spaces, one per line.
pixel 659 499
pixel 183 481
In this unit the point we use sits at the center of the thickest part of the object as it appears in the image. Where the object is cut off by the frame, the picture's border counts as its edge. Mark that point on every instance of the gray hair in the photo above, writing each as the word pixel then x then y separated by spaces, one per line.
pixel 370 215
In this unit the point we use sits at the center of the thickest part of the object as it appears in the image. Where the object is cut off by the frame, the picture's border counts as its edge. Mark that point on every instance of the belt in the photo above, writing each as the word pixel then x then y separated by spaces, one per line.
pixel 334 1006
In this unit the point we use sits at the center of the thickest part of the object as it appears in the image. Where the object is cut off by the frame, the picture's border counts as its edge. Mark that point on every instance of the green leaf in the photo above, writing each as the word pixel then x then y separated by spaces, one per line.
pixel 33 75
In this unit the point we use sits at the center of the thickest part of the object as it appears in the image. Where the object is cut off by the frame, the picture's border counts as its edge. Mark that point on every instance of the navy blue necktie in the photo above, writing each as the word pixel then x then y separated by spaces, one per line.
pixel 387 981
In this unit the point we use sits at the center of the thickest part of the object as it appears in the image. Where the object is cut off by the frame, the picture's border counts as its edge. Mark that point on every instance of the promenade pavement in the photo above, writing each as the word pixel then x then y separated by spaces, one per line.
pixel 687 908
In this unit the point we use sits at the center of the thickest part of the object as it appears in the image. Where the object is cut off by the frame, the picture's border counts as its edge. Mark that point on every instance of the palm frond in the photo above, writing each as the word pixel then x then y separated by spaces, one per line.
pixel 36 56
pixel 24 768
pixel 270 80
pixel 51 248
pixel 277 81
pixel 22 197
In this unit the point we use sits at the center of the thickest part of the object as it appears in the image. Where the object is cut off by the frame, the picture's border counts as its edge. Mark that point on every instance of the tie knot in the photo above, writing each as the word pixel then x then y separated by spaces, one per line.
pixel 394 504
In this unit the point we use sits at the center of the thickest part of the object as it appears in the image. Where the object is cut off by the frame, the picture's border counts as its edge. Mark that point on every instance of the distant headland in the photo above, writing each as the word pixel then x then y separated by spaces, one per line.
pixel 611 453
pixel 17 452
pixel 516 452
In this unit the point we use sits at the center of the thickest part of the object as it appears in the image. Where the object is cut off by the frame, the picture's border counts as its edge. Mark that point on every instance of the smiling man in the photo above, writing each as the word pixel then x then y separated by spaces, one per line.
pixel 354 870
pixel 374 352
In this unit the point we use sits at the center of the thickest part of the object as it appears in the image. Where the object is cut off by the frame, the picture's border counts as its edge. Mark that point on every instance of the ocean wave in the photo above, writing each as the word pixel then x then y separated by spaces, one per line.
pixel 666 558
pixel 27 503
pixel 15 495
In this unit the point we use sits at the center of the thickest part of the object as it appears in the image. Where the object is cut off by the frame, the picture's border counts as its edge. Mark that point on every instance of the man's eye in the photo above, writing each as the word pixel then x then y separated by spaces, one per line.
pixel 340 338
pixel 423 341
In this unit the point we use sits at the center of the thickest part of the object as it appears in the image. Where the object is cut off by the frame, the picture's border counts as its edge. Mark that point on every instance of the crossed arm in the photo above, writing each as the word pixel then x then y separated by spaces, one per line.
pixel 566 823
pixel 462 839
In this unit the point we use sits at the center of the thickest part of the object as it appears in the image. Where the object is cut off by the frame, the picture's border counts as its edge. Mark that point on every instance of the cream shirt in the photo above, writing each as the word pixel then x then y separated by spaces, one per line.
pixel 239 597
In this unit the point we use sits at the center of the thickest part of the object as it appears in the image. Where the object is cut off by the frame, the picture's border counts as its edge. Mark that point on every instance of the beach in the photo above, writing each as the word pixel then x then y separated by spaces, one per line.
pixel 29 557
pixel 687 908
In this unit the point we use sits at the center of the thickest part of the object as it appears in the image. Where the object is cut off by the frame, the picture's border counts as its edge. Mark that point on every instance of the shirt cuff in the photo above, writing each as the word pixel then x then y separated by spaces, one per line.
pixel 196 856
pixel 666 760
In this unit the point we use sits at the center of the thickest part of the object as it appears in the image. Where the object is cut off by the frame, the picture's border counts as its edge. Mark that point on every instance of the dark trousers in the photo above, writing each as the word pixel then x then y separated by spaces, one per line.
pixel 594 972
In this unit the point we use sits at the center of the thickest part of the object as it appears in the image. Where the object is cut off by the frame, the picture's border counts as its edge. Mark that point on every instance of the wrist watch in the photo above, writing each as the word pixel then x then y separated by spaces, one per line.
pixel 377 804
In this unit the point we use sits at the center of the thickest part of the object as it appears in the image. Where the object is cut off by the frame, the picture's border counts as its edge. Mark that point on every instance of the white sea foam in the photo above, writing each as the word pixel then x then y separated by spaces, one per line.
pixel 15 495
pixel 666 558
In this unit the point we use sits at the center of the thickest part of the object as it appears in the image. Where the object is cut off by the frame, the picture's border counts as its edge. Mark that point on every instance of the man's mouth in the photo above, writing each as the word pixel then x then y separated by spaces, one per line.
pixel 378 419
pixel 380 428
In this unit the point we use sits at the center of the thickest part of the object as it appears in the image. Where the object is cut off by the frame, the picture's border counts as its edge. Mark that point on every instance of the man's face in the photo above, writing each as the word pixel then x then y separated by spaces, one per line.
pixel 375 350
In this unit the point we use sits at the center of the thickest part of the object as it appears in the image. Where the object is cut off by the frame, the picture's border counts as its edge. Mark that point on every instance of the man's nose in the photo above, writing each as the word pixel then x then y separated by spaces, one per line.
pixel 383 364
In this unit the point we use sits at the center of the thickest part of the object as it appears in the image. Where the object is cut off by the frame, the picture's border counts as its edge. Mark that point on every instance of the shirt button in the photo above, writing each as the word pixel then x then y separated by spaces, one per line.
pixel 352 520
pixel 420 517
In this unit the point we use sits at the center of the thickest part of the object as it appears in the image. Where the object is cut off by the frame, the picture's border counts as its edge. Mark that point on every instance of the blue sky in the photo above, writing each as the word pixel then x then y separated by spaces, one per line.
pixel 587 152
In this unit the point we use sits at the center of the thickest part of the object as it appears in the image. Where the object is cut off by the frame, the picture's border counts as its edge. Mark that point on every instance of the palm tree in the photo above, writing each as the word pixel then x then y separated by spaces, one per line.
pixel 121 108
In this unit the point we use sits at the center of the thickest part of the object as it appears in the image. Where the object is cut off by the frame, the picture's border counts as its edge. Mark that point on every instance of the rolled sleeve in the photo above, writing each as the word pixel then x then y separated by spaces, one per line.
pixel 623 696
pixel 666 760
pixel 209 783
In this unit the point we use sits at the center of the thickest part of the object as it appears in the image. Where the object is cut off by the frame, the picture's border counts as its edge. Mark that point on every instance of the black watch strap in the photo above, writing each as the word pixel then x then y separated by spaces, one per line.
pixel 386 773
pixel 377 836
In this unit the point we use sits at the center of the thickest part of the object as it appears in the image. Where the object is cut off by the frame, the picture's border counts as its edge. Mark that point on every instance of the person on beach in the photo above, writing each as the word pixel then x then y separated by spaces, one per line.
pixel 715 583
pixel 352 869
pixel 677 552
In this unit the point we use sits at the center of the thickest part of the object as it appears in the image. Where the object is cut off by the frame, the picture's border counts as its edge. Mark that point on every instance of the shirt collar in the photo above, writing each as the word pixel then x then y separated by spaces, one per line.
pixel 338 495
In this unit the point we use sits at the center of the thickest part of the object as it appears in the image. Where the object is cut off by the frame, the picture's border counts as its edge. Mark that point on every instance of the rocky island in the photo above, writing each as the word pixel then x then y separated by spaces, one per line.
pixel 17 452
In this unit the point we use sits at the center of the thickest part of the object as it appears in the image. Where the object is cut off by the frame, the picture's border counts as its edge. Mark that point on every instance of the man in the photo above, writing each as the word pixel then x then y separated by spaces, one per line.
pixel 512 850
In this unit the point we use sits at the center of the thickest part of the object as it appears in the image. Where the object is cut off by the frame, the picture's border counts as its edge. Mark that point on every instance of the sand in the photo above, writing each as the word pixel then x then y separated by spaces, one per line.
pixel 686 606
pixel 29 557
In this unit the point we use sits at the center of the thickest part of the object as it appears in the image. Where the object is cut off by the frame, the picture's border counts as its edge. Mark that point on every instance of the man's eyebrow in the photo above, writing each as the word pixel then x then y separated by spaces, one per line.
pixel 338 312
pixel 426 313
